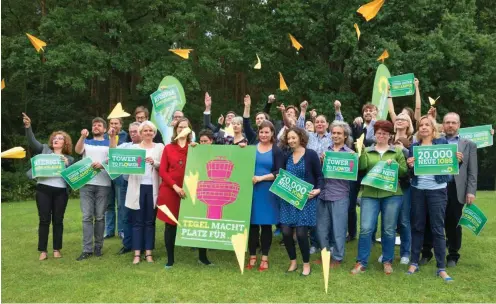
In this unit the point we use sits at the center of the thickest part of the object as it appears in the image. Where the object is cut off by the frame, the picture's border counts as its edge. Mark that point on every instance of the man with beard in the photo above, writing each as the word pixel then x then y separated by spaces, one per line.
pixel 94 195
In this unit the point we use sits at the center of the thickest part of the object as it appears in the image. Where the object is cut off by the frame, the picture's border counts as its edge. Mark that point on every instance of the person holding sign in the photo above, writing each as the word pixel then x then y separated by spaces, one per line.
pixel 304 164
pixel 265 205
pixel 375 200
pixel 414 116
pixel 172 167
pixel 142 193
pixel 429 197
pixel 332 209
pixel 51 192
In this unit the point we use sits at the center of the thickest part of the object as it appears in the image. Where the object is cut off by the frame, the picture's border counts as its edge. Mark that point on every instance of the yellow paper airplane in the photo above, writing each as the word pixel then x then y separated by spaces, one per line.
pixel 383 56
pixel 258 66
pixel 3 84
pixel 118 112
pixel 295 42
pixel 37 43
pixel 357 30
pixel 326 261
pixel 370 10
pixel 229 130
pixel 185 132
pixel 359 144
pixel 17 152
pixel 239 244
pixel 191 182
pixel 282 83
pixel 167 212
pixel 432 100
pixel 184 53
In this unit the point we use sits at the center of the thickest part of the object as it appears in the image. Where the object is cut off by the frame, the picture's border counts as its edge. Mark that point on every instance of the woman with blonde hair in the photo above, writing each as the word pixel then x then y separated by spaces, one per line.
pixel 52 193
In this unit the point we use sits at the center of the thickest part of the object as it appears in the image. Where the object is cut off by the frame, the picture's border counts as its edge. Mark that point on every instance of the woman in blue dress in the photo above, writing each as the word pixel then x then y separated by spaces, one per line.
pixel 304 164
pixel 265 205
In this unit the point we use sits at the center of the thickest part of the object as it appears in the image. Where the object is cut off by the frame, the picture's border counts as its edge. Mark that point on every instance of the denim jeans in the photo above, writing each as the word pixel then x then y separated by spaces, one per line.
pixel 93 203
pixel 332 223
pixel 370 207
pixel 124 212
pixel 110 211
pixel 432 202
pixel 404 223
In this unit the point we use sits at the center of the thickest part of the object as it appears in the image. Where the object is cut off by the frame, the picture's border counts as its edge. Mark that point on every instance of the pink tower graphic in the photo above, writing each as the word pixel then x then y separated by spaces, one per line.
pixel 218 191
pixel 352 163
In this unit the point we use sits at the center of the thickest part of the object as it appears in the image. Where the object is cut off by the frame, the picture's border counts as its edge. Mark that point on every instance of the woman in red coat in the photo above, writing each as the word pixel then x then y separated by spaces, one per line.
pixel 172 167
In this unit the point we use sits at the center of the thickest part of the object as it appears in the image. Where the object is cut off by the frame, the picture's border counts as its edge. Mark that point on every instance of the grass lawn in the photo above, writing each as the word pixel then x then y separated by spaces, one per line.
pixel 113 278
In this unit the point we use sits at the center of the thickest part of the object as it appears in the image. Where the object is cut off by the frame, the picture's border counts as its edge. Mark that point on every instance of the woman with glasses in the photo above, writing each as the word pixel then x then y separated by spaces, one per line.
pixel 51 192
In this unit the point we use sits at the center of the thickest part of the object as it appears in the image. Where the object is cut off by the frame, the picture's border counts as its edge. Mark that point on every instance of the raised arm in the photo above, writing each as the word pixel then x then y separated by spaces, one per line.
pixel 250 134
pixel 300 122
pixel 35 145
pixel 418 102
pixel 269 103
pixel 207 114
pixel 79 148
pixel 337 111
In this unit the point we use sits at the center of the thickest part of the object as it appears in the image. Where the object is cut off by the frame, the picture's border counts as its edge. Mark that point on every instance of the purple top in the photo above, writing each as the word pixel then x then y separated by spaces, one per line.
pixel 335 189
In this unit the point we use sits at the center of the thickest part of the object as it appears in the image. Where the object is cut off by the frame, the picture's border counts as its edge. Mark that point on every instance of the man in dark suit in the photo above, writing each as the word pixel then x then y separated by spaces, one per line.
pixel 461 191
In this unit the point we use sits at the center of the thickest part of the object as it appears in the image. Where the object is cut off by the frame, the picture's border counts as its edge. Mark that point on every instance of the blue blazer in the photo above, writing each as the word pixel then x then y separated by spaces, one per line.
pixel 439 178
pixel 313 169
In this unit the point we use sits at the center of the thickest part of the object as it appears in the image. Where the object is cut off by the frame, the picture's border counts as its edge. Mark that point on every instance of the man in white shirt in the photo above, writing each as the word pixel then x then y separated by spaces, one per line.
pixel 94 195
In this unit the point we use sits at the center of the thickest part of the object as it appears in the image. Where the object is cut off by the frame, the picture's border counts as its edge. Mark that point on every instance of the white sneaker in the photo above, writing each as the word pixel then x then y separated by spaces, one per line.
pixel 405 261
pixel 313 250
pixel 380 259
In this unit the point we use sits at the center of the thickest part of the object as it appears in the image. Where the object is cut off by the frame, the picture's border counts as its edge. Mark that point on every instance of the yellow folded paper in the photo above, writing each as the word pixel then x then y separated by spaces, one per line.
pixel 383 56
pixel 118 112
pixel 295 42
pixel 185 132
pixel 359 144
pixel 167 212
pixel 432 100
pixel 229 130
pixel 357 30
pixel 326 261
pixel 370 10
pixel 282 83
pixel 184 53
pixel 37 43
pixel 3 84
pixel 258 66
pixel 191 183
pixel 239 244
pixel 17 152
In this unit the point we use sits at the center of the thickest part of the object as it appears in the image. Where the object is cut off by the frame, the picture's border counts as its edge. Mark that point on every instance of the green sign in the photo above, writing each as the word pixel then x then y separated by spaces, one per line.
pixel 473 218
pixel 383 176
pixel 291 189
pixel 340 165
pixel 480 135
pixel 79 173
pixel 112 176
pixel 126 161
pixel 402 85
pixel 379 94
pixel 47 165
pixel 165 102
pixel 218 185
pixel 435 160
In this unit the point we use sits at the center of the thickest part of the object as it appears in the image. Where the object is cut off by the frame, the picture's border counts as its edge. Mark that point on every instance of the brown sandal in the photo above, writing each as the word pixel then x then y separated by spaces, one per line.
pixel 56 254
pixel 43 256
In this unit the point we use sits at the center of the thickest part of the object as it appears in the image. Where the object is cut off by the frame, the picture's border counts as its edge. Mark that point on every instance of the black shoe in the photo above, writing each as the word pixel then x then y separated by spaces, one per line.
pixel 109 236
pixel 84 256
pixel 451 263
pixel 350 238
pixel 98 252
pixel 424 260
pixel 124 250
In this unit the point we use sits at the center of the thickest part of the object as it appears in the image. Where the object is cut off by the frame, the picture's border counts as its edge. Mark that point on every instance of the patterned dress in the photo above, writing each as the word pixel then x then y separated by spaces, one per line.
pixel 291 215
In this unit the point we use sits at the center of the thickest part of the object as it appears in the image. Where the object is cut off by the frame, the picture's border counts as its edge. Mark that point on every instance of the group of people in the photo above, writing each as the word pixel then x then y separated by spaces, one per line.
pixel 424 210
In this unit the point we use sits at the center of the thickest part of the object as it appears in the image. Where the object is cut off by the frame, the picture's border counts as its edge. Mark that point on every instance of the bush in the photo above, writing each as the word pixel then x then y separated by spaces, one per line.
pixel 16 186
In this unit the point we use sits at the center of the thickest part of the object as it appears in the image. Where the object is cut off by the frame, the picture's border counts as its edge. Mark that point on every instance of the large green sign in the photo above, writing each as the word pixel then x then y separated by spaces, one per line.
pixel 112 176
pixel 218 185
pixel 379 94
pixel 473 218
pixel 435 160
pixel 126 161
pixel 480 135
pixel 383 176
pixel 291 189
pixel 340 165
pixel 79 173
pixel 47 165
pixel 168 98
pixel 402 85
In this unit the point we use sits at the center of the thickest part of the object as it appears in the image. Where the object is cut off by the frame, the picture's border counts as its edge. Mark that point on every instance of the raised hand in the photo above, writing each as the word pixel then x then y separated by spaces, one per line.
pixel 208 102
pixel 221 120
pixel 337 105
pixel 358 121
pixel 416 82
pixel 26 120
pixel 272 98
pixel 247 100
pixel 313 114
pixel 84 133
pixel 281 107
pixel 304 105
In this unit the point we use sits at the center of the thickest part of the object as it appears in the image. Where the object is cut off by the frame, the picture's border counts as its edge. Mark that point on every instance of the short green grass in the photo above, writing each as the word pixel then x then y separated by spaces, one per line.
pixel 113 278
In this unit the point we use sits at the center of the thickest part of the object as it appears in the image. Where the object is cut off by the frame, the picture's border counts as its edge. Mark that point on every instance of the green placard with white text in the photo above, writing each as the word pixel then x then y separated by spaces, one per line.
pixel 473 218
pixel 291 189
pixel 126 161
pixel 340 165
pixel 383 176
pixel 480 135
pixel 79 173
pixel 402 85
pixel 435 160
pixel 47 165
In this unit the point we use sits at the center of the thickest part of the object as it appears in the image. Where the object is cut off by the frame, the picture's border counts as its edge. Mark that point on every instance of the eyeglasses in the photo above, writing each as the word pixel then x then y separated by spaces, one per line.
pixel 58 138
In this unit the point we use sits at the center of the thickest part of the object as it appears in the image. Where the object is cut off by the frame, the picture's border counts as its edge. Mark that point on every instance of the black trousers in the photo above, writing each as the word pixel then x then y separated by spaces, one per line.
pixel 454 211
pixel 265 239
pixel 51 203
pixel 352 213
pixel 302 237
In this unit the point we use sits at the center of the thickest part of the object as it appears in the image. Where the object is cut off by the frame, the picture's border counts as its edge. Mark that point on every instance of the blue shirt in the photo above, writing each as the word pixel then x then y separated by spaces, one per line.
pixel 318 143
